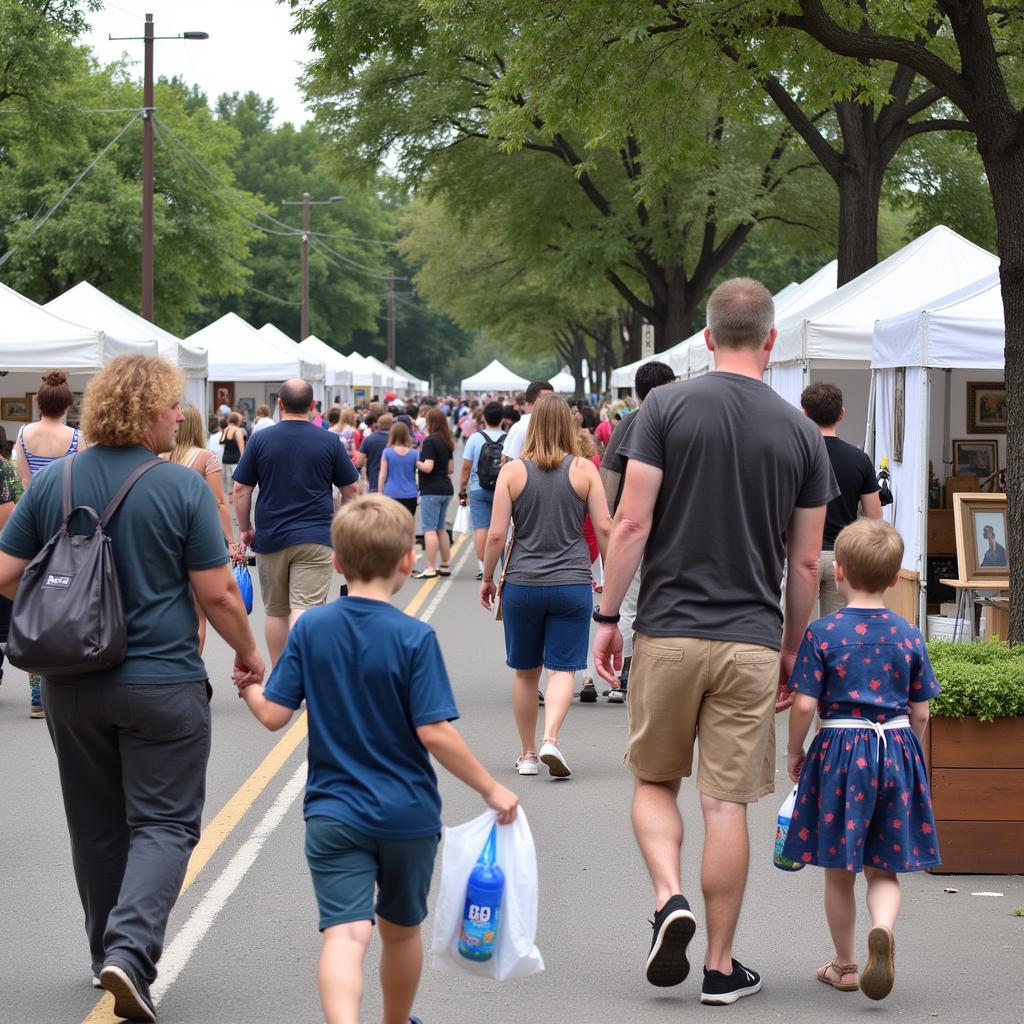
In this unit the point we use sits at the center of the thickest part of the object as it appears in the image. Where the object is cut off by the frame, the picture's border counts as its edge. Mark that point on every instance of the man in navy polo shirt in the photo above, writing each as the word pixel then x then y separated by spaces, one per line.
pixel 296 465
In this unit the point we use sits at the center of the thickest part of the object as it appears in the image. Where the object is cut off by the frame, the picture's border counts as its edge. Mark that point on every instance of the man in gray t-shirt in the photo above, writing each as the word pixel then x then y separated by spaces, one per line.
pixel 725 482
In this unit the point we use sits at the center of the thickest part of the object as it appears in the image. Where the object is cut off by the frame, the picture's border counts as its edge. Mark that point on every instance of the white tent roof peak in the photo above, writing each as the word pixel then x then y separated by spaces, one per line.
pixel 313 368
pixel 84 303
pixel 238 352
pixel 838 328
pixel 494 377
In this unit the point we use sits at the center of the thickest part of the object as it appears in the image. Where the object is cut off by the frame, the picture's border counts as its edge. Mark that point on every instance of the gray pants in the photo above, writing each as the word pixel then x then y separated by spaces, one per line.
pixel 829 599
pixel 627 611
pixel 132 761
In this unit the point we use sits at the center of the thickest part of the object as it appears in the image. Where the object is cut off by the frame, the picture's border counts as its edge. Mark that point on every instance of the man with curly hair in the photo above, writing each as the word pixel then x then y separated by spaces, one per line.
pixel 132 742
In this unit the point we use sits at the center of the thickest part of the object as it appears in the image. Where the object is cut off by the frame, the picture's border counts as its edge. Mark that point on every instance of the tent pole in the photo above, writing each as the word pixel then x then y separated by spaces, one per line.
pixel 922 529
pixel 869 430
pixel 947 454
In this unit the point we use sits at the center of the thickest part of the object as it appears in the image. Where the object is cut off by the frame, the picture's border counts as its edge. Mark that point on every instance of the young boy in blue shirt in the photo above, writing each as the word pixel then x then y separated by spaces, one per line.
pixel 379 704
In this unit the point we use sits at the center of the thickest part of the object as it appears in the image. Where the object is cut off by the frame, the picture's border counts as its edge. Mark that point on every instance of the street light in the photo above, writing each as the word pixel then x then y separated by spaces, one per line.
pixel 148 110
pixel 305 202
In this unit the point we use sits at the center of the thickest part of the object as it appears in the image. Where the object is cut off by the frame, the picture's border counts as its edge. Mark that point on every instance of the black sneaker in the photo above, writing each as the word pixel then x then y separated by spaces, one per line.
pixel 674 926
pixel 540 697
pixel 722 989
pixel 588 693
pixel 131 994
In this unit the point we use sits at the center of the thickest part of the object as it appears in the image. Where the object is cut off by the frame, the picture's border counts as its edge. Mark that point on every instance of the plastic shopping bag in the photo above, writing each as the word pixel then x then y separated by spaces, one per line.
pixel 516 954
pixel 244 581
pixel 462 523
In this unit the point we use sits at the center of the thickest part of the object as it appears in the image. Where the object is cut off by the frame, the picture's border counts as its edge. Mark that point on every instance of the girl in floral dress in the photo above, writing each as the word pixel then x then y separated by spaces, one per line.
pixel 863 802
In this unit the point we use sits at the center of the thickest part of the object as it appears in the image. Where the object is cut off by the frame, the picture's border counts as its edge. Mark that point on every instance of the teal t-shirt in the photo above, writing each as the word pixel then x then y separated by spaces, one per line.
pixel 167 526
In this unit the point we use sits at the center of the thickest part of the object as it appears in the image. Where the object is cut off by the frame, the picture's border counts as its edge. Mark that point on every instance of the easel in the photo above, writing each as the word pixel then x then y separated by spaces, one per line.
pixel 965 603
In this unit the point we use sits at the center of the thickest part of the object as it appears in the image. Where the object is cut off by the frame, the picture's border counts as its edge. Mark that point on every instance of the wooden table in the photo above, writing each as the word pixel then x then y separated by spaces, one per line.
pixel 965 602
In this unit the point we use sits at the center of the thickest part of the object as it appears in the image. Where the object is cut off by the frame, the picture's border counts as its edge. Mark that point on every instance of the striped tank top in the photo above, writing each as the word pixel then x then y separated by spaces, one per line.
pixel 37 462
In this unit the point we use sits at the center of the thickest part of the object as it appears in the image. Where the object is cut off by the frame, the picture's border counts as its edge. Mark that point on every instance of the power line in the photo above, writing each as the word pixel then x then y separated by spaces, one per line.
pixel 323 248
pixel 57 205
pixel 355 238
pixel 267 295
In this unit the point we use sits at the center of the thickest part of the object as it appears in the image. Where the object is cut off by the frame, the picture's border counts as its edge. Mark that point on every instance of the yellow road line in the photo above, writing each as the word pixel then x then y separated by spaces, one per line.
pixel 227 819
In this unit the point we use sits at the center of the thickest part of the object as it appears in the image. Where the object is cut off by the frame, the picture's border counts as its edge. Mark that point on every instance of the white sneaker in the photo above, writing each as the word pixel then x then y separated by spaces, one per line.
pixel 526 764
pixel 552 757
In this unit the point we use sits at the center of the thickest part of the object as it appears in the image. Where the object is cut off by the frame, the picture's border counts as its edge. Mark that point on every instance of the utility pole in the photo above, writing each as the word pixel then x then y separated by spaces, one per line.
pixel 391 321
pixel 148 111
pixel 305 202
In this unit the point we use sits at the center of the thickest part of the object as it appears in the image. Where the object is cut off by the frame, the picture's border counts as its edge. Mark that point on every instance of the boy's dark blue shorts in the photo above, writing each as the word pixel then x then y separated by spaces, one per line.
pixel 347 865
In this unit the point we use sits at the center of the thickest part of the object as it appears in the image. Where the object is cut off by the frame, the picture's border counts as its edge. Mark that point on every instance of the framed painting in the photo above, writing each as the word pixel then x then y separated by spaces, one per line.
pixel 899 413
pixel 223 394
pixel 74 414
pixel 249 407
pixel 17 409
pixel 975 458
pixel 986 407
pixel 980 522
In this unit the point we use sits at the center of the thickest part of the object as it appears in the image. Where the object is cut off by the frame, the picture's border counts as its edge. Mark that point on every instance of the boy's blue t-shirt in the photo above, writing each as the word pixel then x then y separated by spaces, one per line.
pixel 295 464
pixel 370 675
pixel 864 663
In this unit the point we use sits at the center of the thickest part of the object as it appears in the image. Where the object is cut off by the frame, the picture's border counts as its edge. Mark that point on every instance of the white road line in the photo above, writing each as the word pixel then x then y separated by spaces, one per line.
pixel 443 589
pixel 178 953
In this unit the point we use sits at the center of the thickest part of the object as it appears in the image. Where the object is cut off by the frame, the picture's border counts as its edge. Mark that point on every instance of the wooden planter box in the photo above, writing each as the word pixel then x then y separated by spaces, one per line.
pixel 976 771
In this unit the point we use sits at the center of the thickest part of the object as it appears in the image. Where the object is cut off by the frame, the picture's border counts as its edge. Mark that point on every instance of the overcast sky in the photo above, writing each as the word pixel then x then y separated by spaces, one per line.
pixel 250 46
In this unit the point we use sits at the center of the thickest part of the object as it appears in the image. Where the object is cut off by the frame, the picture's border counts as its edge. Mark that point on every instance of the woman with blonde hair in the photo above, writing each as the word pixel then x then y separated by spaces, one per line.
pixel 397 477
pixel 546 597
pixel 190 450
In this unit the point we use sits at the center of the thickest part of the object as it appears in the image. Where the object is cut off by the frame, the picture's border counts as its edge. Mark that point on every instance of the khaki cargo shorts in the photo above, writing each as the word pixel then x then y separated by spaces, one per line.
pixel 294 577
pixel 719 693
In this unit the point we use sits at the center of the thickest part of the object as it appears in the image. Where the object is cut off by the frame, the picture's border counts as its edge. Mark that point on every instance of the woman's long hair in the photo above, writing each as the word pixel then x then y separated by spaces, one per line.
pixel 437 426
pixel 190 435
pixel 399 435
pixel 551 433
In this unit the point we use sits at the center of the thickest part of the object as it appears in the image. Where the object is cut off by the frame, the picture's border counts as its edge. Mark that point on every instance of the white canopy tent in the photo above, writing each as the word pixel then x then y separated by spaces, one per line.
pixel 564 382
pixel 414 383
pixel 316 369
pixel 35 340
pixel 337 375
pixel 961 336
pixel 390 380
pixel 239 354
pixel 494 377
pixel 835 333
pixel 86 304
pixel 691 358
pixel 364 375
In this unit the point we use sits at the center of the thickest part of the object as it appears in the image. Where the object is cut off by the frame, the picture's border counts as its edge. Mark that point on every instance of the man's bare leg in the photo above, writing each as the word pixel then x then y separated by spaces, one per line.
pixel 275 629
pixel 723 875
pixel 659 833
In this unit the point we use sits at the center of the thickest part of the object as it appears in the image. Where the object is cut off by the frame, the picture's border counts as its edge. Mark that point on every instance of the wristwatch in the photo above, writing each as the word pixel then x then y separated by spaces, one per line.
pixel 605 620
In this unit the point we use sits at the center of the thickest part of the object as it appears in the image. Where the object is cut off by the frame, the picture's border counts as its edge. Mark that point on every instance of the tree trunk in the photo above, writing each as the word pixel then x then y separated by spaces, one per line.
pixel 674 312
pixel 1005 173
pixel 860 196
pixel 631 325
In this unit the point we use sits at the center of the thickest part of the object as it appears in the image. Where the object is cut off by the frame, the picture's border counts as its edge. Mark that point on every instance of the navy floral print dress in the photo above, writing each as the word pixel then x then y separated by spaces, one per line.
pixel 863 797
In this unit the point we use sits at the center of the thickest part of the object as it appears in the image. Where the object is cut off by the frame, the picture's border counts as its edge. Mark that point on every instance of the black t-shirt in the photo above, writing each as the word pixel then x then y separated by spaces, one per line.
pixel 613 460
pixel 855 476
pixel 437 481
pixel 737 460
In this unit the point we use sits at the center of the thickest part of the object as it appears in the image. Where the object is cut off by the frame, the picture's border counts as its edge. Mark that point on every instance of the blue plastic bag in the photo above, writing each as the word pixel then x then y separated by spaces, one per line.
pixel 244 581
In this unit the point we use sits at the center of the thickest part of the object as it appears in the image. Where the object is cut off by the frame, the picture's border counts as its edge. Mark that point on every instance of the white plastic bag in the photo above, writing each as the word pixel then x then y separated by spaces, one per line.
pixel 516 954
pixel 462 523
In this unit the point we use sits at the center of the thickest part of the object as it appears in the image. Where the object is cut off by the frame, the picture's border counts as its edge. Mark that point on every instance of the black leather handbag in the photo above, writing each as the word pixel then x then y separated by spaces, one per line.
pixel 68 615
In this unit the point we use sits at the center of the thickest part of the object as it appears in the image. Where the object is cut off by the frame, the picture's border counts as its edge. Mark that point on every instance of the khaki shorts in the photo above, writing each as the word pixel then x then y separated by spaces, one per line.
pixel 294 577
pixel 721 693
pixel 829 599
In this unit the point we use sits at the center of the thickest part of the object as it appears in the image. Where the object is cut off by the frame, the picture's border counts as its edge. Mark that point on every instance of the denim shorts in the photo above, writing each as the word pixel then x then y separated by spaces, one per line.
pixel 433 509
pixel 547 626
pixel 347 865
pixel 481 503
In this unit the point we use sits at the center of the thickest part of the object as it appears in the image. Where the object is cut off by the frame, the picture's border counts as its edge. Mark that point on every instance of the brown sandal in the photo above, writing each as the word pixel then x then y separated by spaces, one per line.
pixel 841 971
pixel 880 972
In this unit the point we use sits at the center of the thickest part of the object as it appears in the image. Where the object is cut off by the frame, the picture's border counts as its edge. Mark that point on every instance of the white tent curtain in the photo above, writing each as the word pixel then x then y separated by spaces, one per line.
pixel 195 394
pixel 789 382
pixel 907 477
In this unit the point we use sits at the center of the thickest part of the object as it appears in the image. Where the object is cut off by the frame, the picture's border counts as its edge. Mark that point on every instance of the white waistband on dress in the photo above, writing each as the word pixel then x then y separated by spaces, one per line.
pixel 878 728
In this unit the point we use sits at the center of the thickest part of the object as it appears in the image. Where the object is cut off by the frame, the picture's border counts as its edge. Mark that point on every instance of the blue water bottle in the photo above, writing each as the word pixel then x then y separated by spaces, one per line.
pixel 482 914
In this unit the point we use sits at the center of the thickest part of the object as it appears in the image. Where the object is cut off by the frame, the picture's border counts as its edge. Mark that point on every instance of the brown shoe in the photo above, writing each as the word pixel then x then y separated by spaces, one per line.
pixel 877 980
pixel 833 974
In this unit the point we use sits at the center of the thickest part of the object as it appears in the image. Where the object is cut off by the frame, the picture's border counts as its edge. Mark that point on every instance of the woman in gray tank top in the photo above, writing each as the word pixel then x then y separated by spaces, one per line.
pixel 547 599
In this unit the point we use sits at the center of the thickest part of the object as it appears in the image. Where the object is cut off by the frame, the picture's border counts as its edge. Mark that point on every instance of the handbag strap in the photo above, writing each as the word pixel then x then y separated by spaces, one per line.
pixel 122 493
pixel 507 556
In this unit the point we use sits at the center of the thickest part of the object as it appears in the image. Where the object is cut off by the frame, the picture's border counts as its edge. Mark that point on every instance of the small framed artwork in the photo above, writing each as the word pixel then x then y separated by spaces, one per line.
pixel 17 409
pixel 223 394
pixel 986 407
pixel 34 415
pixel 272 401
pixel 899 413
pixel 248 405
pixel 74 414
pixel 980 523
pixel 975 458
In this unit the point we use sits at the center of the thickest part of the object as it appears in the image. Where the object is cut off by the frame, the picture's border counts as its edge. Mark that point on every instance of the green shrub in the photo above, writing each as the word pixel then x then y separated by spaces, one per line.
pixel 984 679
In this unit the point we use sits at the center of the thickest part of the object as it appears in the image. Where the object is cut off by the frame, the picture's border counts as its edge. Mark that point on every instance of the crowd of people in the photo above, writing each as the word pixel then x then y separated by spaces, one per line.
pixel 699 527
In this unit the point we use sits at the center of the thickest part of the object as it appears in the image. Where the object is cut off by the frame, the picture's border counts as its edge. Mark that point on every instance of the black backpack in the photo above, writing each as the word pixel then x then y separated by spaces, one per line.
pixel 488 465
pixel 68 614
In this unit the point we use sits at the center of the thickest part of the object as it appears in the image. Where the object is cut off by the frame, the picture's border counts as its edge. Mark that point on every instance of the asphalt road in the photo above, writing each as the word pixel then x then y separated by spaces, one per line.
pixel 243 943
